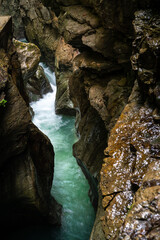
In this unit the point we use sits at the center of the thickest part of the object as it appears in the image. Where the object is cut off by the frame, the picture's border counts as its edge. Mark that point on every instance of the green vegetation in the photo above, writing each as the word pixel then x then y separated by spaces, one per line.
pixel 3 103
pixel 129 207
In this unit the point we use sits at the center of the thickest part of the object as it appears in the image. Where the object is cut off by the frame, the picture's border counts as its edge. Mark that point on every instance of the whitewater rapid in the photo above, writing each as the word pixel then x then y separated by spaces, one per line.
pixel 70 188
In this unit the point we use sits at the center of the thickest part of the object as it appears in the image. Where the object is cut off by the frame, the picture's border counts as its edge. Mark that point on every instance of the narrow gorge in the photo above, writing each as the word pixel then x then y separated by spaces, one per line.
pixel 106 59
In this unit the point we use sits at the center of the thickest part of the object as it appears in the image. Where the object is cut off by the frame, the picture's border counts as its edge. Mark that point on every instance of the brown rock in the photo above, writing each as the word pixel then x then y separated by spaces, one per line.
pixel 27 157
pixel 38 23
pixel 145 60
pixel 142 220
pixel 64 57
pixel 11 8
pixel 71 30
pixel 29 56
pixel 38 85
pixel 128 154
pixel 30 154
pixel 96 62
pixel 91 129
pixel 34 80
pixel 96 100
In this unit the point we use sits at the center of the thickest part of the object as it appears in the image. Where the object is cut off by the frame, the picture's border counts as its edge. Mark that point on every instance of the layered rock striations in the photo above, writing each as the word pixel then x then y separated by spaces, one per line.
pixel 26 154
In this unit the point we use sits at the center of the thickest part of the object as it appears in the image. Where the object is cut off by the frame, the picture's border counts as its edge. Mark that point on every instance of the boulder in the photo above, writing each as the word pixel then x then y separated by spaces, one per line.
pixel 34 80
pixel 29 56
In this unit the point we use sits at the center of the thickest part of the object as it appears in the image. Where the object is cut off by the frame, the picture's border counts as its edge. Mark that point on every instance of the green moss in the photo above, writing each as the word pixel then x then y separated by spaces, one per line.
pixel 3 103
pixel 129 207
pixel 31 47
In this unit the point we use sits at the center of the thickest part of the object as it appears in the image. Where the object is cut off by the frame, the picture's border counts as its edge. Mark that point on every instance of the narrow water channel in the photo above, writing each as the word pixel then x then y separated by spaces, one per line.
pixel 70 188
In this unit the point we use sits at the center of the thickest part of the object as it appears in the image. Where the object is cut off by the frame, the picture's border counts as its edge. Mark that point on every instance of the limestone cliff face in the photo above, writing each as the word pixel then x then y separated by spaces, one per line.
pixel 26 154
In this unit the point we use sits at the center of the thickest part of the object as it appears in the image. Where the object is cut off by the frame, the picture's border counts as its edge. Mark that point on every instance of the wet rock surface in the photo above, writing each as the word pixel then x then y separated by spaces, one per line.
pixel 129 153
pixel 111 105
pixel 142 220
pixel 34 80
pixel 38 85
pixel 29 56
pixel 130 174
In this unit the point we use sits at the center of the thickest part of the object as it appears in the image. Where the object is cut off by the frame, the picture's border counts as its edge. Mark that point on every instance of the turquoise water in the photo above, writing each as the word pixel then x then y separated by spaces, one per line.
pixel 70 188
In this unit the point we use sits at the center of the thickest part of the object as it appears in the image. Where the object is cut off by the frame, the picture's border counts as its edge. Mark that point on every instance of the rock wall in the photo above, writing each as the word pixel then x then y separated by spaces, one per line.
pixel 117 104
pixel 12 8
pixel 34 21
pixel 64 57
pixel 26 154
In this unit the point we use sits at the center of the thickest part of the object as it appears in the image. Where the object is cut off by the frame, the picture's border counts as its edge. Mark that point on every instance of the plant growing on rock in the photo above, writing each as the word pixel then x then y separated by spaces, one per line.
pixel 3 103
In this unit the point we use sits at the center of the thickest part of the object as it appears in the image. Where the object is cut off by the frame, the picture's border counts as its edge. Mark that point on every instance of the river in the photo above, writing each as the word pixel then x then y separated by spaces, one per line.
pixel 70 187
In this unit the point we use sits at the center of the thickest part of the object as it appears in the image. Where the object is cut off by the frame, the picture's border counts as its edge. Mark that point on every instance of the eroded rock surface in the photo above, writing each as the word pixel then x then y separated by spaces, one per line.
pixel 33 20
pixel 26 154
pixel 40 27
pixel 131 149
pixel 34 80
pixel 11 8
pixel 64 57
pixel 132 156
pixel 129 153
